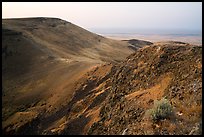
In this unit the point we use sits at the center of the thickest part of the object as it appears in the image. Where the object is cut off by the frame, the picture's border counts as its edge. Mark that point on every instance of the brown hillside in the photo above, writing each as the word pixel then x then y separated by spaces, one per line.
pixel 113 98
pixel 58 78
pixel 42 58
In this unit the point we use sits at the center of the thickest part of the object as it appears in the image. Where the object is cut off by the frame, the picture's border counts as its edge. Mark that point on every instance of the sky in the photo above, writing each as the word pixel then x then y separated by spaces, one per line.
pixel 105 15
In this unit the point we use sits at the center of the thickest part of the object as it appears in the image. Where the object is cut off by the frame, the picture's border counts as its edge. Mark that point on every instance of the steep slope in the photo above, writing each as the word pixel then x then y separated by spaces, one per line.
pixel 64 39
pixel 42 58
pixel 111 99
pixel 58 78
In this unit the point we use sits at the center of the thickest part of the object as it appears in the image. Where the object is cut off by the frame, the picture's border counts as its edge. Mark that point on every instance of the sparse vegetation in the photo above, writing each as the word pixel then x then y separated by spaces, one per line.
pixel 92 98
pixel 162 109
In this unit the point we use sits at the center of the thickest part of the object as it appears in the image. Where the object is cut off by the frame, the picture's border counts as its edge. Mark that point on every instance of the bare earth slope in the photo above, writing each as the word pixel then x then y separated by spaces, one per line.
pixel 113 98
pixel 58 78
pixel 42 58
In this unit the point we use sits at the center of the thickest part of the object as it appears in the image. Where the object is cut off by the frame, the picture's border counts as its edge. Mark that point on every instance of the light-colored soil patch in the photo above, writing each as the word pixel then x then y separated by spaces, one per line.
pixel 93 114
pixel 19 119
pixel 107 123
pixel 199 66
pixel 154 92
pixel 100 92
pixel 59 125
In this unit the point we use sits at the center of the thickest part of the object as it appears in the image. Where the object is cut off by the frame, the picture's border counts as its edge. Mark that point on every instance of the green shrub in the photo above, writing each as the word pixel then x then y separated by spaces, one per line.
pixel 162 109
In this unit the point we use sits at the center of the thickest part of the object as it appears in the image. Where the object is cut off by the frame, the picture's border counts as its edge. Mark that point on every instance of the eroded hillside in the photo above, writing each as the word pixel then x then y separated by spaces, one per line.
pixel 58 78
pixel 42 58
pixel 114 98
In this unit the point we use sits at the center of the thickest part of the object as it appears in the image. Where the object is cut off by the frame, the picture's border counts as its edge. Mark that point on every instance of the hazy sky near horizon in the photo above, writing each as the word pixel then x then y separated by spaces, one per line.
pixel 148 15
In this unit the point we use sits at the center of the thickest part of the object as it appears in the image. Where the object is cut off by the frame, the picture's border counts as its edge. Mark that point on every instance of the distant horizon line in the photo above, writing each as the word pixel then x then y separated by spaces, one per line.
pixel 122 30
pixel 140 28
pixel 174 31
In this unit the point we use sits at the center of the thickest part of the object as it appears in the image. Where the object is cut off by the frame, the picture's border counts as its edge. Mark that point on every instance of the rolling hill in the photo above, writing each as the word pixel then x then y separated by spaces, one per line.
pixel 42 58
pixel 58 78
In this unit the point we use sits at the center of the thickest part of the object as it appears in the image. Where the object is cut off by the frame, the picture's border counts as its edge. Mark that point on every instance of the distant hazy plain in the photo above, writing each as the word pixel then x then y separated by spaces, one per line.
pixel 154 35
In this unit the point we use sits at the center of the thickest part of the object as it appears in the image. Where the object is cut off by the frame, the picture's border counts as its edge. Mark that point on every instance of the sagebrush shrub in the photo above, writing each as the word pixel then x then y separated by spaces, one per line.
pixel 162 109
